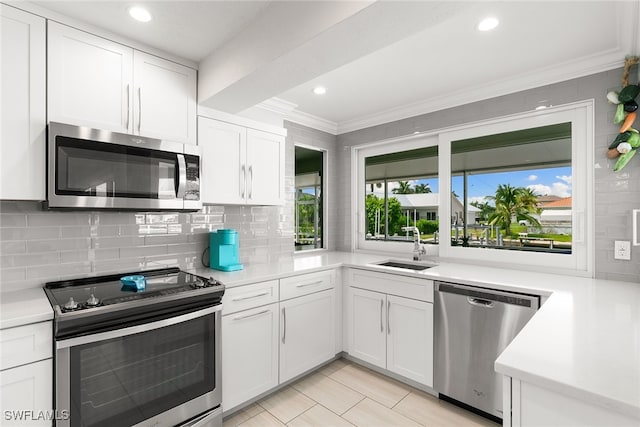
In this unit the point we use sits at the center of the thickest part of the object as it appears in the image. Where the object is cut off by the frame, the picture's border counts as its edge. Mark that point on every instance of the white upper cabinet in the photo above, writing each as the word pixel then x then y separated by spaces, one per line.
pixel 90 80
pixel 265 168
pixel 222 168
pixel 22 143
pixel 240 165
pixel 105 85
pixel 165 99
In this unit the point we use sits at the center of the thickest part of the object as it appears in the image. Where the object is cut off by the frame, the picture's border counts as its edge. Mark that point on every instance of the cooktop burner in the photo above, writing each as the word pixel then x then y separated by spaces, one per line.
pixel 94 300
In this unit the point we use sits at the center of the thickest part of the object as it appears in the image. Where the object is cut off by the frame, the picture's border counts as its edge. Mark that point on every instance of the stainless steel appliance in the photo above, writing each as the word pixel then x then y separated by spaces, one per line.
pixel 472 327
pixel 97 169
pixel 143 358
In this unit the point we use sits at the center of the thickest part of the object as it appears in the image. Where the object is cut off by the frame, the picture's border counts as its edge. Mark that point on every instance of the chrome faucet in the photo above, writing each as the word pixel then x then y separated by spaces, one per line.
pixel 418 249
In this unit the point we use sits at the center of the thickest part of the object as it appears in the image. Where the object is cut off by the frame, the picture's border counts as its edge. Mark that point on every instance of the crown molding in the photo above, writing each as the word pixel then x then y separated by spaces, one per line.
pixel 278 105
pixel 315 122
pixel 542 77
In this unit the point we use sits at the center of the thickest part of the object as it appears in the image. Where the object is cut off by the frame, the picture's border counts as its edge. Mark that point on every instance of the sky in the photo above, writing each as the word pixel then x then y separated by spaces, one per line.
pixel 549 181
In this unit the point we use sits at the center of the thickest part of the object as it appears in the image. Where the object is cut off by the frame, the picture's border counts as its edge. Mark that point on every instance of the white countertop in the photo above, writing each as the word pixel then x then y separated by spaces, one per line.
pixel 23 307
pixel 583 342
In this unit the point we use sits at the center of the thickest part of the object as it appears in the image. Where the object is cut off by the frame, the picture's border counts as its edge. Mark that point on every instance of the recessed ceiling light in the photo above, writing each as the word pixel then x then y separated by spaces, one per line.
pixel 541 107
pixel 319 90
pixel 488 24
pixel 140 14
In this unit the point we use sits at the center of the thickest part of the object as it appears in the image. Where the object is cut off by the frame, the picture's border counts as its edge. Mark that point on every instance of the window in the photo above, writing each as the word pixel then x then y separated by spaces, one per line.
pixel 309 167
pixel 512 190
pixel 400 192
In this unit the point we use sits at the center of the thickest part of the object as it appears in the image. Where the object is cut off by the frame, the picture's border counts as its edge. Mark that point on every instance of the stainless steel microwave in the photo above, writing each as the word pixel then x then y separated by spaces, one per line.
pixel 97 169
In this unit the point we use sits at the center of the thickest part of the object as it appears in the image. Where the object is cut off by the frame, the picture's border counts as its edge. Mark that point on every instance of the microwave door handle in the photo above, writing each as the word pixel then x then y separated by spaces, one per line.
pixel 182 176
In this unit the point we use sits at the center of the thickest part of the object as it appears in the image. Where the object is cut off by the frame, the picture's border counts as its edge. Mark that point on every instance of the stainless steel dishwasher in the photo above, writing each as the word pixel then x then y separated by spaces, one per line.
pixel 472 327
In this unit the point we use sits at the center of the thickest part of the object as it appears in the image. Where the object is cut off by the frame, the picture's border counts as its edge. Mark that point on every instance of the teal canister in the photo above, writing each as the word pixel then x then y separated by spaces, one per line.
pixel 223 250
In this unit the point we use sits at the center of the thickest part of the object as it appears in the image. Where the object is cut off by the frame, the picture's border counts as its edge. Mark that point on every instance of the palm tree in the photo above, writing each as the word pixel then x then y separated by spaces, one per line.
pixel 404 188
pixel 485 209
pixel 513 202
pixel 422 188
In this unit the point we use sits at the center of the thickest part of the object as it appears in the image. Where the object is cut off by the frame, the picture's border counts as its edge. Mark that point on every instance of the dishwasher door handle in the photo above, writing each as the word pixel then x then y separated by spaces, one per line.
pixel 479 302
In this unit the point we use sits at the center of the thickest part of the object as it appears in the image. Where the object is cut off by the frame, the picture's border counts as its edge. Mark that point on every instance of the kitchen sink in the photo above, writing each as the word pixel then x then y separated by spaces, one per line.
pixel 405 265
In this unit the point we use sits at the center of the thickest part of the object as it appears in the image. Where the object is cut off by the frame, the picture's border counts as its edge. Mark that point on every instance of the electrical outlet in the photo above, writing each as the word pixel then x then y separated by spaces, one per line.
pixel 622 250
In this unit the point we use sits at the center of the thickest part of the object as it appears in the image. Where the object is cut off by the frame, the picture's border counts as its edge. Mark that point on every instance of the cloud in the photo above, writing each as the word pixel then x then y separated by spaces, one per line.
pixel 532 177
pixel 559 189
pixel 565 178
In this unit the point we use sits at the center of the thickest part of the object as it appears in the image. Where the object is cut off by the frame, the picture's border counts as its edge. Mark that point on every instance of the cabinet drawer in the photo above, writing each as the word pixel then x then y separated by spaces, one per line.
pixel 249 296
pixel 392 284
pixel 25 344
pixel 305 284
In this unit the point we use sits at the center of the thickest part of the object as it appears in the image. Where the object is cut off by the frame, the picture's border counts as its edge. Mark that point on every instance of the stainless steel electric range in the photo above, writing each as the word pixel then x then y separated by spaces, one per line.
pixel 146 357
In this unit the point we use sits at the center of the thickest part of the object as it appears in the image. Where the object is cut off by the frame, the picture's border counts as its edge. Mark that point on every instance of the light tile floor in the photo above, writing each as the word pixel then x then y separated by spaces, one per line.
pixel 346 394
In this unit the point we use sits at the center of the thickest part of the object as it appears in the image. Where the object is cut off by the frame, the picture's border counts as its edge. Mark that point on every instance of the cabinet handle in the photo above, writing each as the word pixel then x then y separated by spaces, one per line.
pixel 247 316
pixel 388 321
pixel 243 179
pixel 284 320
pixel 381 307
pixel 261 294
pixel 303 285
pixel 251 181
pixel 128 104
pixel 139 108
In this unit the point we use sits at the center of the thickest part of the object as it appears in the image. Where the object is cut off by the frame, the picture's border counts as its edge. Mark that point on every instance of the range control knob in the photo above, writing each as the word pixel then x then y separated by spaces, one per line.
pixel 92 301
pixel 71 304
pixel 212 282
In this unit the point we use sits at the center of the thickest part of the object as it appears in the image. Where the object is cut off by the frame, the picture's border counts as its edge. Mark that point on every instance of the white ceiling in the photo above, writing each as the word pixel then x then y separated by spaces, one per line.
pixel 453 58
pixel 438 65
pixel 187 29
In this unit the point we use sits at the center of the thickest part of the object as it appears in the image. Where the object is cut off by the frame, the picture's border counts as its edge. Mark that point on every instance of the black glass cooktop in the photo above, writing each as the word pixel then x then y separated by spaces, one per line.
pixel 83 294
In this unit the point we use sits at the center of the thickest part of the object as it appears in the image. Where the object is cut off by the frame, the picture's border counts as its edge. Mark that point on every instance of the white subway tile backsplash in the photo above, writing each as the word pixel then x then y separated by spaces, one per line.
pixel 52 245
pixel 37 246
pixel 13 221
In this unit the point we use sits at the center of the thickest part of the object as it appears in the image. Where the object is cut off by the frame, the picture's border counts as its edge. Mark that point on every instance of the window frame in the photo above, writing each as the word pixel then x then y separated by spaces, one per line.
pixel 579 262
pixel 411 142
pixel 325 200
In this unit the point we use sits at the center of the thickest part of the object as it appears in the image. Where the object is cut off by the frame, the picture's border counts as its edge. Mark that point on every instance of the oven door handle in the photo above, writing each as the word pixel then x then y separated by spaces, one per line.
pixel 145 327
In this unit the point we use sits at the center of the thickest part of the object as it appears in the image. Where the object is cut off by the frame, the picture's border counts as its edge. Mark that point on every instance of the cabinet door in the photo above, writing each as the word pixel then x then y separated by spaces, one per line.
pixel 223 177
pixel 265 168
pixel 410 339
pixel 90 80
pixel 23 75
pixel 27 388
pixel 164 99
pixel 366 329
pixel 249 354
pixel 307 336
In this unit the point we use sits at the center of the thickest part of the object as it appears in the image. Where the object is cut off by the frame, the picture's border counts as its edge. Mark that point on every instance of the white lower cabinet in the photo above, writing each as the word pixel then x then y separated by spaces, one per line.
pixel 307 333
pixel 273 331
pixel 533 406
pixel 27 394
pixel 367 317
pixel 249 354
pixel 26 375
pixel 410 339
pixel 390 331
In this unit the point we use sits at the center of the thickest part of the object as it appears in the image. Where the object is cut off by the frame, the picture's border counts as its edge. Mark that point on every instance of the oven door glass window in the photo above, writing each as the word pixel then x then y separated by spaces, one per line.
pixel 98 169
pixel 123 381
